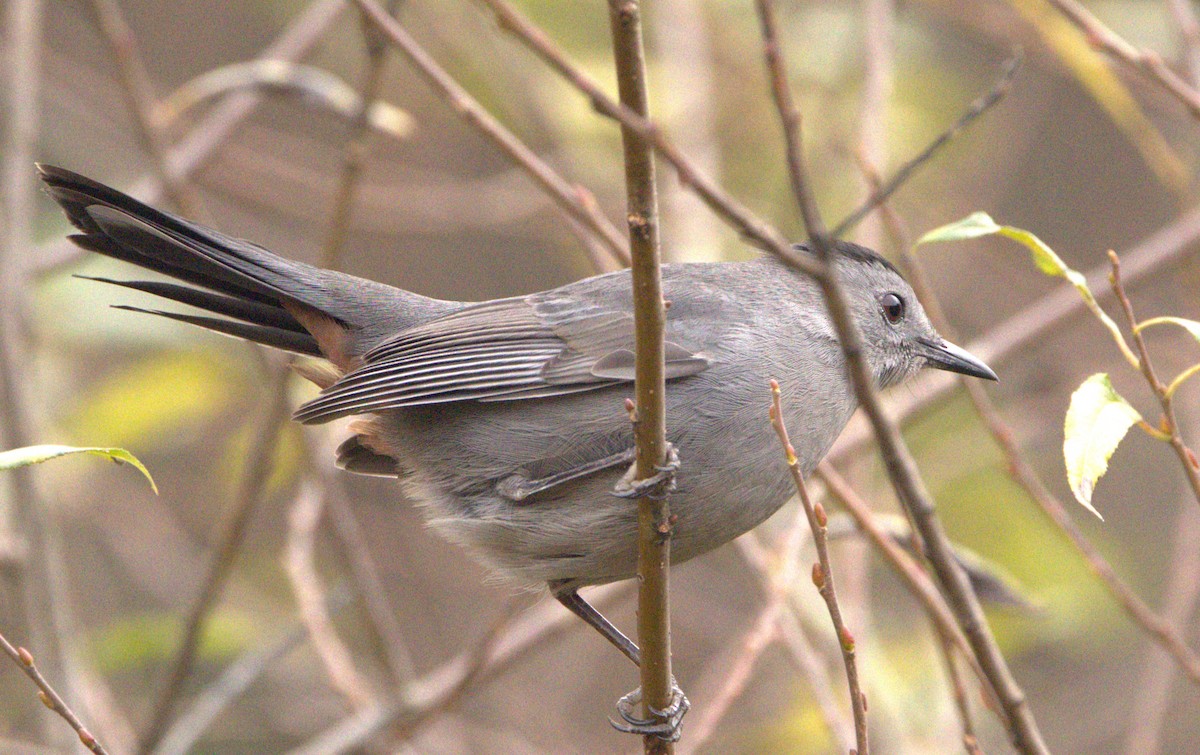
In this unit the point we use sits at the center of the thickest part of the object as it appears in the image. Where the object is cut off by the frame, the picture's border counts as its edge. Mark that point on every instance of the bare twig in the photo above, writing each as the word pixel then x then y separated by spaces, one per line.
pixel 419 699
pixel 200 142
pixel 258 468
pixel 139 96
pixel 310 596
pixel 977 108
pixel 725 206
pixel 367 581
pixel 357 145
pixel 900 465
pixel 41 585
pixel 879 60
pixel 1159 629
pixel 1170 424
pixel 822 574
pixel 48 696
pixel 958 689
pixel 649 409
pixel 1188 25
pixel 778 582
pixel 236 678
pixel 574 200
pixel 1146 62
pixel 905 566
pixel 1148 711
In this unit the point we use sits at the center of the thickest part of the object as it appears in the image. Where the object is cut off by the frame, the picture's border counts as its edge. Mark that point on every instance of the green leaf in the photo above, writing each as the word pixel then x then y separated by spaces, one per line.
pixel 971 227
pixel 1190 326
pixel 20 457
pixel 1096 421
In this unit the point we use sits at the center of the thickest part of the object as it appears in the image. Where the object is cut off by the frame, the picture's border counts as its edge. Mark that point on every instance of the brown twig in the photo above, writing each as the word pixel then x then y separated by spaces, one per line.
pixel 365 573
pixel 882 192
pixel 300 562
pixel 419 699
pixel 649 409
pixel 1146 62
pixel 48 696
pixel 258 469
pixel 791 632
pixel 139 96
pixel 958 690
pixel 822 574
pixel 194 148
pixel 777 571
pixel 1152 700
pixel 905 566
pixel 1169 424
pixel 1188 25
pixel 357 144
pixel 900 465
pixel 572 199
pixel 725 206
pixel 1159 629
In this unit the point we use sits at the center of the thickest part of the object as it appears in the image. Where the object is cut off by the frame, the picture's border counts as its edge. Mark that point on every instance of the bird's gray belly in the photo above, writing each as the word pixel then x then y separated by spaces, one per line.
pixel 732 476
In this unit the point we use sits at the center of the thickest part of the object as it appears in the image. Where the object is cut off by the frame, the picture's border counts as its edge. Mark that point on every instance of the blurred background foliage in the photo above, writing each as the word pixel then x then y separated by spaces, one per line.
pixel 1085 155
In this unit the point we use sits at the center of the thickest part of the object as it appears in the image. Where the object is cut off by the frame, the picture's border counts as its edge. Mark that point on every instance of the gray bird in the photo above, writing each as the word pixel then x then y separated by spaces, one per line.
pixel 503 419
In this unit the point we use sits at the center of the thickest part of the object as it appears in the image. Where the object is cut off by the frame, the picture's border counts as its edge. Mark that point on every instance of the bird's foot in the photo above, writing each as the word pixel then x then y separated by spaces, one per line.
pixel 657 486
pixel 665 724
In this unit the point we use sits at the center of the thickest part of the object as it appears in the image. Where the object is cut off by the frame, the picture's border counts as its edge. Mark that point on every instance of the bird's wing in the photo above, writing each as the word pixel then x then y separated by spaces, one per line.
pixel 506 350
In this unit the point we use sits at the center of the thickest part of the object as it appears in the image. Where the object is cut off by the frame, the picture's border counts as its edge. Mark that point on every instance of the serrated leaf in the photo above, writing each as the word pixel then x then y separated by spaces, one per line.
pixel 1191 326
pixel 973 226
pixel 1096 422
pixel 20 457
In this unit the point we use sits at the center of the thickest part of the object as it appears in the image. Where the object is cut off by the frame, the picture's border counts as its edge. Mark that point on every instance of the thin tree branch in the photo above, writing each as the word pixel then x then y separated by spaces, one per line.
pixel 192 150
pixel 1170 423
pixel 300 561
pixel 650 413
pixel 899 462
pixel 257 471
pixel 1148 711
pixel 882 192
pixel 725 206
pixel 1166 246
pixel 1146 62
pixel 48 696
pixel 139 96
pixel 357 144
pixel 419 699
pixel 822 574
pixel 573 199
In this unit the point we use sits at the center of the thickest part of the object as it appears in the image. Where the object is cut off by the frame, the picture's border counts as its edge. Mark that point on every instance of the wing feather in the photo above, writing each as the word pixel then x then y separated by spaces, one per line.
pixel 506 350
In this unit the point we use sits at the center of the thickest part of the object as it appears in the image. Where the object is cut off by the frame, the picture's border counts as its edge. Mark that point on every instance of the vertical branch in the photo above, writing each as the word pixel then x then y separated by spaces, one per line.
pixel 258 469
pixel 898 461
pixel 822 575
pixel 654 528
pixel 38 587
pixel 139 96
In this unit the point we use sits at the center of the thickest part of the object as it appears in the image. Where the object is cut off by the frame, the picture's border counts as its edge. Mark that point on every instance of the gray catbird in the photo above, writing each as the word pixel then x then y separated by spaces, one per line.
pixel 504 418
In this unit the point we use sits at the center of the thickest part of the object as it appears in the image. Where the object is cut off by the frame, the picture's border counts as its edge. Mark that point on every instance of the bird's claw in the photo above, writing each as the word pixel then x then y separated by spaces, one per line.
pixel 665 724
pixel 657 486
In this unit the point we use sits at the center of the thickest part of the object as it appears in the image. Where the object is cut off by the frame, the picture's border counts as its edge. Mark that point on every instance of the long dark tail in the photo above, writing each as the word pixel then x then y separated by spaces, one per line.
pixel 257 294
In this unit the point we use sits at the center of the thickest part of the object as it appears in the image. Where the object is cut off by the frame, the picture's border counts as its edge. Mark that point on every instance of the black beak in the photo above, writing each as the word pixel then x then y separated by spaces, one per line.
pixel 946 356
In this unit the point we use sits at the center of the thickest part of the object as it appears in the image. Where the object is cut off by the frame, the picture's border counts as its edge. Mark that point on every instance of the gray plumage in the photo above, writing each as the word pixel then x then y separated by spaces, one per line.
pixel 504 419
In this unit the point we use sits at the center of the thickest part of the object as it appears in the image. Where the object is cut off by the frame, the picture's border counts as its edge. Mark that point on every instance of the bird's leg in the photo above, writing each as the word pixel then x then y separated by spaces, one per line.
pixel 665 724
pixel 584 610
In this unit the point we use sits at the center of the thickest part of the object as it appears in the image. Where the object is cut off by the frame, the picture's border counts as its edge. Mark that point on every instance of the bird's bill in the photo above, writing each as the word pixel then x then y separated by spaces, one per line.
pixel 946 356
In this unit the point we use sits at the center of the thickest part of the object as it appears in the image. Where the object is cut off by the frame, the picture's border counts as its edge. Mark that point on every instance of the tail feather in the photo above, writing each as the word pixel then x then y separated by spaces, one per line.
pixel 268 299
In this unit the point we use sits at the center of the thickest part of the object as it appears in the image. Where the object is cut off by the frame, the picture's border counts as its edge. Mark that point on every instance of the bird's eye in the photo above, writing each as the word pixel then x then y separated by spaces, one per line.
pixel 893 308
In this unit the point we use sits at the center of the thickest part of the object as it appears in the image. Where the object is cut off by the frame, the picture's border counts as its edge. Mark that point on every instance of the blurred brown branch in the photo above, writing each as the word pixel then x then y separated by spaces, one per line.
pixel 51 699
